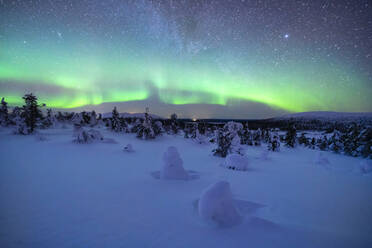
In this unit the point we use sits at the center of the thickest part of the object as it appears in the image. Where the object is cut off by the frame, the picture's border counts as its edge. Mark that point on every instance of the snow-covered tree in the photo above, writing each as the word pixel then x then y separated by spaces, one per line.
pixel 322 143
pixel 146 129
pixel 31 112
pixel 174 126
pixel 290 137
pixel 50 119
pixel 274 143
pixel 335 144
pixel 19 121
pixel 303 140
pixel 173 165
pixel 228 140
pixel 77 119
pixel 93 118
pixel 246 136
pixel 115 123
pixel 257 137
pixel 365 139
pixel 4 116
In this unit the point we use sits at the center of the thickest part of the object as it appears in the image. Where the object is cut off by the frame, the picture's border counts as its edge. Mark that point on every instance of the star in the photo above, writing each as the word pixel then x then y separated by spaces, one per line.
pixel 286 36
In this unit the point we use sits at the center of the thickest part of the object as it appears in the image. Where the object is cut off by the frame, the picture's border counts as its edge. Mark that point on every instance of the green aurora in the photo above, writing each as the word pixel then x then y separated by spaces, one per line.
pixel 69 68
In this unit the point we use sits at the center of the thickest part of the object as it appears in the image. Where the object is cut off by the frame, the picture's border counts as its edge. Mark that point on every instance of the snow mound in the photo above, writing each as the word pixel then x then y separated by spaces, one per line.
pixel 128 148
pixel 236 162
pixel 216 205
pixel 365 167
pixel 173 165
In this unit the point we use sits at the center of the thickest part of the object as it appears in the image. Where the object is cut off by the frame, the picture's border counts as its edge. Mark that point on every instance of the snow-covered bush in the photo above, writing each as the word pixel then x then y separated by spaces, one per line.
pixel 128 148
pixel 86 137
pixel 173 165
pixel 236 162
pixel 199 138
pixel 216 205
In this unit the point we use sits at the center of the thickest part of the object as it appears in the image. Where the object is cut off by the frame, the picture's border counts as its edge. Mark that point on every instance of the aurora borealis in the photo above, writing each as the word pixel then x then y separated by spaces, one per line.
pixel 245 58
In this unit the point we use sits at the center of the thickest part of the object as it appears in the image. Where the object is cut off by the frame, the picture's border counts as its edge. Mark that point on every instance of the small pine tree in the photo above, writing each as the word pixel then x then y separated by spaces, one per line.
pixel 302 140
pixel 174 124
pixel 322 143
pixel 50 119
pixel 4 116
pixel 146 129
pixel 115 121
pixel 366 143
pixel 273 144
pixel 93 119
pixel 31 112
pixel 290 137
pixel 335 144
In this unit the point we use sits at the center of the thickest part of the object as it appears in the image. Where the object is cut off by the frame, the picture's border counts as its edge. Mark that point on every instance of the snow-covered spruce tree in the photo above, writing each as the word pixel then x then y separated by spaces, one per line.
pixel 335 144
pixel 290 137
pixel 115 123
pixel 246 136
pixel 174 126
pixel 312 144
pixel 77 119
pixel 228 140
pixel 351 141
pixel 92 118
pixel 19 121
pixel 4 116
pixel 146 130
pixel 322 143
pixel 31 112
pixel 302 140
pixel 257 137
pixel 50 120
pixel 366 143
pixel 273 144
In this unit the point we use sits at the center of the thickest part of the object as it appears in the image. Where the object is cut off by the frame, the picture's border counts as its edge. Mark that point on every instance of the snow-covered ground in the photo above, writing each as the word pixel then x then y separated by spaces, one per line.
pixel 56 193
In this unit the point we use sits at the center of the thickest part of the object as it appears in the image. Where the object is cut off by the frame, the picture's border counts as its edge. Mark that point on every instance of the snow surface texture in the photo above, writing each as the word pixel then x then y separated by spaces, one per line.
pixel 216 205
pixel 173 165
pixel 236 162
pixel 57 193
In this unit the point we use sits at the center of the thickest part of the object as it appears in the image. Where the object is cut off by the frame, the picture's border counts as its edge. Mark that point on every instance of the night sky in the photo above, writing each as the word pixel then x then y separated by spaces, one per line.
pixel 222 59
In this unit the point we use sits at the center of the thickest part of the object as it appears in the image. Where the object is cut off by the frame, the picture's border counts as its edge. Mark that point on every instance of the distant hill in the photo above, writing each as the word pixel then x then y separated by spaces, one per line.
pixel 131 115
pixel 327 115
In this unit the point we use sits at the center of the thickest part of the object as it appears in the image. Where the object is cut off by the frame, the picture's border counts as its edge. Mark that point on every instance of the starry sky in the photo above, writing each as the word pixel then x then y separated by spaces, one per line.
pixel 203 59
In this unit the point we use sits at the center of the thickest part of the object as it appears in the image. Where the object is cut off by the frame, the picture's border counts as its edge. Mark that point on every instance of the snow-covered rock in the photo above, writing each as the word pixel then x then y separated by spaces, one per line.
pixel 236 162
pixel 173 165
pixel 216 205
pixel 128 148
